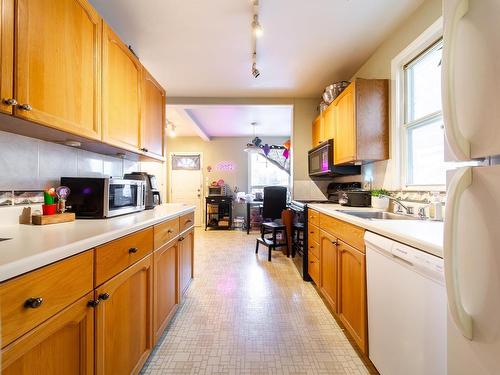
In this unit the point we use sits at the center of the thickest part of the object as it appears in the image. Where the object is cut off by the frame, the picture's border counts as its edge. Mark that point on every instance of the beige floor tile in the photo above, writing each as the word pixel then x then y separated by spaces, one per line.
pixel 245 315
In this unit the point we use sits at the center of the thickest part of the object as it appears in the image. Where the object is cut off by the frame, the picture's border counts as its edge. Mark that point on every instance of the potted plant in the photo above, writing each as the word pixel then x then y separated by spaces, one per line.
pixel 379 199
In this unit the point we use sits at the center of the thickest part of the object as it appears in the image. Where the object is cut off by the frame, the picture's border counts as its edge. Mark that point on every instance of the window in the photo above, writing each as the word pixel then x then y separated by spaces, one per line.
pixel 263 172
pixel 422 132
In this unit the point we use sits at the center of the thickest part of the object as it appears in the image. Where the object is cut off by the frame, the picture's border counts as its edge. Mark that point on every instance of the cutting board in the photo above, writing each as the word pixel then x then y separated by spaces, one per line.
pixel 53 219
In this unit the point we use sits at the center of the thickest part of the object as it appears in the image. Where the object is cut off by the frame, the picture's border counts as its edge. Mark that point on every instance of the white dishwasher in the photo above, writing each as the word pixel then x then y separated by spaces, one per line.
pixel 406 308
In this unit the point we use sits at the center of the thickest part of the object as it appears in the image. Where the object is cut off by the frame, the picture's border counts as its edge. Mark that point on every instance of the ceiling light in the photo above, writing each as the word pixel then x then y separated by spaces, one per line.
pixel 171 130
pixel 256 26
pixel 255 71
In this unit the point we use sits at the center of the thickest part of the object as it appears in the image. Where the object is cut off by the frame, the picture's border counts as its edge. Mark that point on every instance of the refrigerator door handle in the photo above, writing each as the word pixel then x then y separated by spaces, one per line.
pixel 459 145
pixel 461 180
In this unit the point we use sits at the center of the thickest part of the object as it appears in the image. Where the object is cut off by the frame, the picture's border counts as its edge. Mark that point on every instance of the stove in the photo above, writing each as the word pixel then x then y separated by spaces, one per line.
pixel 299 207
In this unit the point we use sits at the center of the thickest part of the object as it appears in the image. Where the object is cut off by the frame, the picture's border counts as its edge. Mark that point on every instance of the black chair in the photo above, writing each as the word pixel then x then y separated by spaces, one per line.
pixel 274 204
pixel 297 239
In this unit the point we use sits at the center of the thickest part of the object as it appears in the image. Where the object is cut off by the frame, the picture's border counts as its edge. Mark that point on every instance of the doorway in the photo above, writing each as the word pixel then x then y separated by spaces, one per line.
pixel 186 181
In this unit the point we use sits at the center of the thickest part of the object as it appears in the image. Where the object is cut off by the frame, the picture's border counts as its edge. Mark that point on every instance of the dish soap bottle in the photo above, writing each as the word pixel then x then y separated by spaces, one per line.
pixel 436 207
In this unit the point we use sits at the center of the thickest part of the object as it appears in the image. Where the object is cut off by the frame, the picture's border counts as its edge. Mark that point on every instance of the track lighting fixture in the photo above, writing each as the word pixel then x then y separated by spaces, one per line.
pixel 256 26
pixel 171 128
pixel 255 71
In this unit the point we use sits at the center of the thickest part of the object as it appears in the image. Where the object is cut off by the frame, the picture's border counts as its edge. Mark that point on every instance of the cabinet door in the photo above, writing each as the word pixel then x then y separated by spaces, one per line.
pixel 166 291
pixel 329 263
pixel 153 116
pixel 58 65
pixel 345 127
pixel 186 260
pixel 124 320
pixel 352 293
pixel 6 55
pixel 64 344
pixel 121 105
pixel 317 131
pixel 329 122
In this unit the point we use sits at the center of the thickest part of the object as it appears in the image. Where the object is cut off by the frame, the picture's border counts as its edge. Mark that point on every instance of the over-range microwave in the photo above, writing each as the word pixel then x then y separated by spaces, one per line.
pixel 102 197
pixel 321 163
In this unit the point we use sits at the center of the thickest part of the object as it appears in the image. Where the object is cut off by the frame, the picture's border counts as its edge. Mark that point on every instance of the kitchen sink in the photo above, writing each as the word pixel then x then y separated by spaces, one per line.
pixel 379 215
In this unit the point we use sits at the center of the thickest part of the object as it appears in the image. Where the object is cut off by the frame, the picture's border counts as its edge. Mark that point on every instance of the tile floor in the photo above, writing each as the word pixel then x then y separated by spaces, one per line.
pixel 244 315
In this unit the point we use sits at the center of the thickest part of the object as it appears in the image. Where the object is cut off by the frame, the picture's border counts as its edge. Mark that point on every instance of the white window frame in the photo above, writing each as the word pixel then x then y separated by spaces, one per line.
pixel 398 141
pixel 289 187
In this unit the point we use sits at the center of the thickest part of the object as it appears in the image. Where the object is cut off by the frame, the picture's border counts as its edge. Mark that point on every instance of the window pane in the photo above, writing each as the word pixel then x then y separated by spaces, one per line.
pixel 264 173
pixel 426 154
pixel 186 162
pixel 423 77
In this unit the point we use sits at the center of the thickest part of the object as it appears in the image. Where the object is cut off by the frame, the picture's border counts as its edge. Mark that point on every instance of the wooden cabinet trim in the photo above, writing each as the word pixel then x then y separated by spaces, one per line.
pixel 326 276
pixel 58 284
pixel 77 313
pixel 347 232
pixel 165 232
pixel 6 54
pixel 146 127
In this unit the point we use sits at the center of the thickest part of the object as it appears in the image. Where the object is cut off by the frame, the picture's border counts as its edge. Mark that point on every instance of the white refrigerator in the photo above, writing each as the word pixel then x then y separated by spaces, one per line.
pixel 471 110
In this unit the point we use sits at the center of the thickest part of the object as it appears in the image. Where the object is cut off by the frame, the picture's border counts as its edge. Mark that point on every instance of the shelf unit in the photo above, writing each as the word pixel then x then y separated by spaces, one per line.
pixel 218 212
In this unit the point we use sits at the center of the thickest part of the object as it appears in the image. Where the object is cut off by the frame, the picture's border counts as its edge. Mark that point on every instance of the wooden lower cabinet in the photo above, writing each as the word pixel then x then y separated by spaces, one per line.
pixel 64 344
pixel 329 263
pixel 166 283
pixel 186 255
pixel 352 293
pixel 124 331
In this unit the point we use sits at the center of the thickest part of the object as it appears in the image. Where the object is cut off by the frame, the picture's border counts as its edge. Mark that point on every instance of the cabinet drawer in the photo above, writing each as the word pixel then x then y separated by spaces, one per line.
pixel 165 232
pixel 348 233
pixel 115 256
pixel 313 267
pixel 29 300
pixel 186 221
pixel 313 233
pixel 314 247
pixel 313 217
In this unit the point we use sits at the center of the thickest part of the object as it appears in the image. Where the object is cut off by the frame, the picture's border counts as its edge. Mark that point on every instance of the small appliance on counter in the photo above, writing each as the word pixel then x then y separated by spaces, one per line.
pixel 152 194
pixel 335 187
pixel 103 197
pixel 355 198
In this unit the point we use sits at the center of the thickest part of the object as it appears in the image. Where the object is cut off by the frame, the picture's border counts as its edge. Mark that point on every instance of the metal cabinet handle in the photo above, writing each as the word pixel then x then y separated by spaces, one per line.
pixel 103 296
pixel 181 239
pixel 170 231
pixel 336 242
pixel 33 303
pixel 144 149
pixel 189 221
pixel 25 107
pixel 133 250
pixel 93 303
pixel 10 101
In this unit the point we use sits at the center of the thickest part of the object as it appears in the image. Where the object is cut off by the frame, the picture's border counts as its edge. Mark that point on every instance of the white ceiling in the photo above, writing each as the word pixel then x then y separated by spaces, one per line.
pixel 231 120
pixel 202 48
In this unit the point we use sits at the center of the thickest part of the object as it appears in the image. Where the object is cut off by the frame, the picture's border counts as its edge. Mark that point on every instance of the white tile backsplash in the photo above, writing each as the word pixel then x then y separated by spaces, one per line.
pixel 31 164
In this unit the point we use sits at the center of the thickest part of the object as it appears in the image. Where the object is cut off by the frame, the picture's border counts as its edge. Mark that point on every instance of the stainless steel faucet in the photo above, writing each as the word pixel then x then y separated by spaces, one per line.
pixel 409 210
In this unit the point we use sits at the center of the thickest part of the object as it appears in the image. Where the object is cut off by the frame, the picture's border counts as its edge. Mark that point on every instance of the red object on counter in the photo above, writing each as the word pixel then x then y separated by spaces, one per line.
pixel 49 209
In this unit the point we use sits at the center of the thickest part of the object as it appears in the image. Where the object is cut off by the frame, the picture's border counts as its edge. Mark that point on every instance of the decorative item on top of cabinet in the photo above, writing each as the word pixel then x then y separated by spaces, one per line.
pixel 124 317
pixel 362 122
pixel 58 65
pixel 153 116
pixel 64 344
pixel 121 104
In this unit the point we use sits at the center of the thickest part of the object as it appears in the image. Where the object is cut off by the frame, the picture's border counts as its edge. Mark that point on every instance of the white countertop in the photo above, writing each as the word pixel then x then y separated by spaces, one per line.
pixel 425 235
pixel 34 246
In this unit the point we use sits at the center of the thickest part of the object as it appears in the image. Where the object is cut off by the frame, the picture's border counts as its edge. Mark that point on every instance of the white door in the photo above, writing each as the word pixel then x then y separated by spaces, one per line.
pixel 471 77
pixel 472 267
pixel 186 182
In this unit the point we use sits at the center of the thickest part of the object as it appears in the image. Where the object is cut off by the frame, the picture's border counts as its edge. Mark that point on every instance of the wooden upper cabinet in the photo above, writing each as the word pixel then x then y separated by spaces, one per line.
pixel 329 122
pixel 153 116
pixel 352 293
pixel 58 65
pixel 124 328
pixel 121 104
pixel 329 264
pixel 317 131
pixel 362 122
pixel 64 344
pixel 6 56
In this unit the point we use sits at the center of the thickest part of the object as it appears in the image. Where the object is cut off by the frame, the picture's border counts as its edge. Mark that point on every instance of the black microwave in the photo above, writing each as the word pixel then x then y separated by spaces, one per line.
pixel 321 163
pixel 102 197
